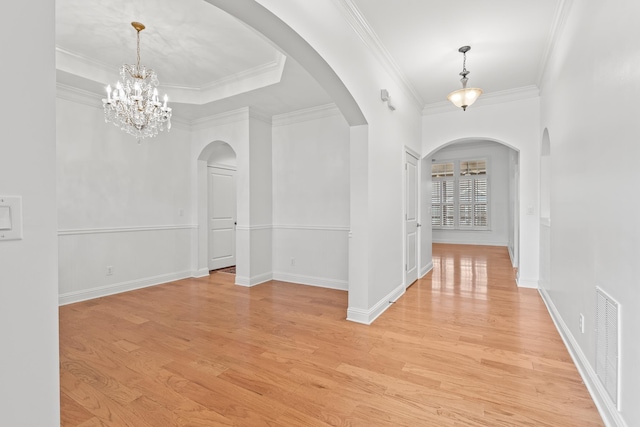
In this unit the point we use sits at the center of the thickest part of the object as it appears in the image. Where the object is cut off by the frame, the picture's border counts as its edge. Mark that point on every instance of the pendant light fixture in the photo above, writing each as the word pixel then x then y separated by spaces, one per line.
pixel 133 105
pixel 466 96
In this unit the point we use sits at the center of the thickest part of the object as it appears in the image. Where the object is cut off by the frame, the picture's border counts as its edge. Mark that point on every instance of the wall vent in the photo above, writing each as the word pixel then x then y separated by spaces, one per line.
pixel 607 326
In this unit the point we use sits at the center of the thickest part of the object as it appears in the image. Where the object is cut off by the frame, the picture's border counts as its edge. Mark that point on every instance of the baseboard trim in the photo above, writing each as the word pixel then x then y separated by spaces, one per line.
pixel 606 407
pixel 253 280
pixel 367 317
pixel 320 282
pixel 527 283
pixel 117 288
pixel 475 243
pixel 427 268
pixel 511 257
pixel 203 272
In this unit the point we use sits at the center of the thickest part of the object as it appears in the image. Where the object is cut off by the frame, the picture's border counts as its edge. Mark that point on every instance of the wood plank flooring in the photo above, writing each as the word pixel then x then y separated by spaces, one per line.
pixel 463 347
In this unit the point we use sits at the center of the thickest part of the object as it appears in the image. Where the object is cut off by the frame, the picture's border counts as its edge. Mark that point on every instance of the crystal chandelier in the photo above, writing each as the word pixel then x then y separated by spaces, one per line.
pixel 466 96
pixel 133 105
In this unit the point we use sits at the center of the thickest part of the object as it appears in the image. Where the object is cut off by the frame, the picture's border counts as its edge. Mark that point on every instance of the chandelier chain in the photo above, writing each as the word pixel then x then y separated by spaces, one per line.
pixel 138 55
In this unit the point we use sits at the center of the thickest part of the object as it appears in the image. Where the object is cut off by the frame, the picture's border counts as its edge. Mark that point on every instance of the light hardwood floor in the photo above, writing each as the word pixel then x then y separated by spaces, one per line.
pixel 463 347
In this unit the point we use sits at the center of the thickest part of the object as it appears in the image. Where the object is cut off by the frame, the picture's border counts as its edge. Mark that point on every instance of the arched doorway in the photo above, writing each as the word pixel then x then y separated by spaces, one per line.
pixel 217 206
pixel 487 212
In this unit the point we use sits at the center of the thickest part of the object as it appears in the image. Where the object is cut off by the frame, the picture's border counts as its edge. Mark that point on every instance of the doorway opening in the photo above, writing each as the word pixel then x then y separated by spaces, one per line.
pixel 475 194
pixel 220 206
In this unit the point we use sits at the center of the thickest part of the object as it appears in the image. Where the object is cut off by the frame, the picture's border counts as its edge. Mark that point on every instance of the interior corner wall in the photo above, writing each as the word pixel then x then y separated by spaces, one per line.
pixel 589 106
pixel 28 267
pixel 261 200
pixel 311 201
pixel 497 156
pixel 124 209
pixel 517 124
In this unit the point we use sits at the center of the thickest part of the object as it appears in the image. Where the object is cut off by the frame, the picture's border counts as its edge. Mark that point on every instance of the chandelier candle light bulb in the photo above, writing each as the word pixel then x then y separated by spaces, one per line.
pixel 133 105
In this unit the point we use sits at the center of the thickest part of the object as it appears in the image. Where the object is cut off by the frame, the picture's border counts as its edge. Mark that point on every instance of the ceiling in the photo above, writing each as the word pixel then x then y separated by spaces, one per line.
pixel 209 62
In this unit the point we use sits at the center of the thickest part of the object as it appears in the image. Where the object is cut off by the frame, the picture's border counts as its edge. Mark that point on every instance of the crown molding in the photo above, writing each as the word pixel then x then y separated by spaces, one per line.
pixel 509 95
pixel 307 114
pixel 233 116
pixel 254 78
pixel 80 96
pixel 562 13
pixel 360 25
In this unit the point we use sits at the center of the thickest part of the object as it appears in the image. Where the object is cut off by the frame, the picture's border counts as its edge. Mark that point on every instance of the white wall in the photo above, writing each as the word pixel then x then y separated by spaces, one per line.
pixel 590 108
pixel 378 135
pixel 515 124
pixel 121 204
pixel 311 199
pixel 497 156
pixel 29 389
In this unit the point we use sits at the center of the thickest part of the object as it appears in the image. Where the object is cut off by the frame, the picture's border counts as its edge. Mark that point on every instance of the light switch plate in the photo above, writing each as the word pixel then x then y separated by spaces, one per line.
pixel 10 218
pixel 5 218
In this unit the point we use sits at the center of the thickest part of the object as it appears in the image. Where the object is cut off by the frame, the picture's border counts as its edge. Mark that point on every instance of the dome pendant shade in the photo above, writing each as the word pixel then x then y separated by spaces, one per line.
pixel 462 98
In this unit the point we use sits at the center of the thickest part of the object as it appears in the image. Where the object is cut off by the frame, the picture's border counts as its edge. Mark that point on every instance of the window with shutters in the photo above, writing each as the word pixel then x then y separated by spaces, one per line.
pixel 459 197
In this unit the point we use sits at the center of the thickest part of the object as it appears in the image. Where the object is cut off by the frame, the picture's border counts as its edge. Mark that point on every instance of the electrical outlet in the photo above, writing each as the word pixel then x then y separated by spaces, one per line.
pixel 581 323
pixel 109 270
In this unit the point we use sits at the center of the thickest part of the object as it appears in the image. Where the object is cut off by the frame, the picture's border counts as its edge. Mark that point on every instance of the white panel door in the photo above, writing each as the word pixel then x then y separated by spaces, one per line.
pixel 222 218
pixel 411 227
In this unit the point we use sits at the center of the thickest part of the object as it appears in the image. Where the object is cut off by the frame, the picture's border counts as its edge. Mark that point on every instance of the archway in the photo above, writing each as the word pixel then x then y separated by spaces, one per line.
pixel 501 176
pixel 217 158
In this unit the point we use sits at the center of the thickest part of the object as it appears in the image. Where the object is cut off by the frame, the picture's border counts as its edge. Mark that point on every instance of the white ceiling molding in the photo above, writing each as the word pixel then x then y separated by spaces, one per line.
pixel 246 81
pixel 70 93
pixel 372 41
pixel 233 116
pixel 252 79
pixel 560 19
pixel 306 115
pixel 509 95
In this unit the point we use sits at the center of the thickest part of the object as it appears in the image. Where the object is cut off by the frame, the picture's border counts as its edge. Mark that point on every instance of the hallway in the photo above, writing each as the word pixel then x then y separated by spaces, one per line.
pixel 463 347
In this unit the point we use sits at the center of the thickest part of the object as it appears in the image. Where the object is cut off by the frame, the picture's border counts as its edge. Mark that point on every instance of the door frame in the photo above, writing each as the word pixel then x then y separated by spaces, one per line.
pixel 209 203
pixel 409 152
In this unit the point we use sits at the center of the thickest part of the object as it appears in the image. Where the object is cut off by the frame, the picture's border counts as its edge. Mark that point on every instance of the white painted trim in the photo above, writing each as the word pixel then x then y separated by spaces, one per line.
pixel 527 283
pixel 358 22
pixel 320 282
pixel 293 227
pixel 116 288
pixel 305 115
pixel 311 227
pixel 606 408
pixel 203 272
pixel 71 232
pixel 491 98
pixel 368 316
pixel 79 96
pixel 254 227
pixel 511 256
pixel 560 19
pixel 253 280
pixel 467 242
pixel 427 268
pixel 233 116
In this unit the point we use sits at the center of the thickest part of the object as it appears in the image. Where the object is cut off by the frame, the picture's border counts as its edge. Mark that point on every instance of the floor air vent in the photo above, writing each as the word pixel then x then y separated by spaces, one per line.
pixel 607 325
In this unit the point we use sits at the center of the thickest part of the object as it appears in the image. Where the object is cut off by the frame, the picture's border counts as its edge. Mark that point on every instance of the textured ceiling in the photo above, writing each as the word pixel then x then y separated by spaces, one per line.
pixel 193 45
